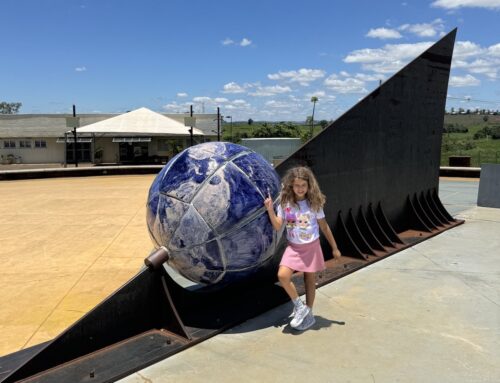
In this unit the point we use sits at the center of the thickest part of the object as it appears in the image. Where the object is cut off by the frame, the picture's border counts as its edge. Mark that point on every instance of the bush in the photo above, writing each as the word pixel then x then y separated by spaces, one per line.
pixel 455 128
pixel 487 131
pixel 495 132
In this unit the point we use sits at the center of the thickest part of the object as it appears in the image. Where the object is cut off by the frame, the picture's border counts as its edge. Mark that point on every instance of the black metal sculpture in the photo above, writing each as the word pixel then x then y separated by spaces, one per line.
pixel 378 165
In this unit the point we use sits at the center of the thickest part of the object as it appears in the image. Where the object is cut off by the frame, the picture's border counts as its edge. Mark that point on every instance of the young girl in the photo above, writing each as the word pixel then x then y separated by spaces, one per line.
pixel 301 209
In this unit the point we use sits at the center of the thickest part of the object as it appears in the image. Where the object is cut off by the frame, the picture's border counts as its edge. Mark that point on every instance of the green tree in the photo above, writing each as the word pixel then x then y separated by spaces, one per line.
pixel 280 129
pixel 323 124
pixel 10 107
pixel 250 121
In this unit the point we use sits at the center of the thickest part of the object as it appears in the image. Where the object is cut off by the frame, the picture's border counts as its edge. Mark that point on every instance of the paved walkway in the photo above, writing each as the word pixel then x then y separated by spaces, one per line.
pixel 430 313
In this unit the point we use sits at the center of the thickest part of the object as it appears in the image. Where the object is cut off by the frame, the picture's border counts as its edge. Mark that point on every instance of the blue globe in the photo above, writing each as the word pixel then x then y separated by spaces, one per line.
pixel 206 207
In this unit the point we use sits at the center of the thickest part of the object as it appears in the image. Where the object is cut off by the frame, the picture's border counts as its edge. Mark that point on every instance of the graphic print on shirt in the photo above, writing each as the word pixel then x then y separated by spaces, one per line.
pixel 290 219
pixel 301 222
pixel 304 226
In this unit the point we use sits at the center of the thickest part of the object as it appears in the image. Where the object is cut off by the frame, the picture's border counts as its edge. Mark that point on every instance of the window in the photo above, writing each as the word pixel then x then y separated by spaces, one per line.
pixel 25 144
pixel 40 143
pixel 9 144
pixel 163 145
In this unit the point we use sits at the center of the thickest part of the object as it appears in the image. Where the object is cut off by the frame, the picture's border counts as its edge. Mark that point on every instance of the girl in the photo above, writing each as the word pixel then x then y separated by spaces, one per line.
pixel 301 208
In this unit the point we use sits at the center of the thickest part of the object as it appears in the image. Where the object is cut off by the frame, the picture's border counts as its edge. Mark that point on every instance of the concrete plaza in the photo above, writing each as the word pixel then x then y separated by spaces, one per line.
pixel 429 313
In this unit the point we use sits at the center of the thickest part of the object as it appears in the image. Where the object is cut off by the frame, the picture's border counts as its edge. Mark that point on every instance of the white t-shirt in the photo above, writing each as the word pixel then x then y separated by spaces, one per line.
pixel 301 223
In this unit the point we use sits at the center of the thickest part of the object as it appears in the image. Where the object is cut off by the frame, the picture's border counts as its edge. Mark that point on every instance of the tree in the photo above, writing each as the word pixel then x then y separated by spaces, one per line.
pixel 280 129
pixel 323 124
pixel 314 100
pixel 10 107
pixel 250 121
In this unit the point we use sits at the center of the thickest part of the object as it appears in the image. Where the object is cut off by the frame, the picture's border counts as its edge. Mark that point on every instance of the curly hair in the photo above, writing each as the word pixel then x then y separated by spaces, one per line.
pixel 314 195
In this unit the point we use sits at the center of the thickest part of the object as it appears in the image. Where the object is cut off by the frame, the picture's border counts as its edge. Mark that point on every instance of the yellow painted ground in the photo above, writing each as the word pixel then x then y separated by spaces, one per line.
pixel 65 245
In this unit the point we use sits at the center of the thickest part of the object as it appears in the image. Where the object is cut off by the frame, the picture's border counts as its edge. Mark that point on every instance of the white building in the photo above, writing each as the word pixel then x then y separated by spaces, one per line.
pixel 138 136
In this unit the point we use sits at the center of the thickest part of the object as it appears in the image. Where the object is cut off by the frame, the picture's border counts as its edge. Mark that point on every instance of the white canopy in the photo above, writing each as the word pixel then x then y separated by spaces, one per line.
pixel 141 121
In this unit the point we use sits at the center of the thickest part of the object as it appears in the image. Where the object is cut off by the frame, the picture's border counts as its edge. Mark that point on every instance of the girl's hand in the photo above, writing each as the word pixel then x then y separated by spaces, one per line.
pixel 268 203
pixel 336 254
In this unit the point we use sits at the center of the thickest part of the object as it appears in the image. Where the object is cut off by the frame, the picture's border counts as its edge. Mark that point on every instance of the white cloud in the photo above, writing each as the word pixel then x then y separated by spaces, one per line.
pixel 278 104
pixel 80 69
pixel 465 49
pixel 303 76
pixel 220 100
pixel 369 77
pixel 202 99
pixel 387 59
pixel 240 102
pixel 425 29
pixel 453 4
pixel 182 94
pixel 389 52
pixel 362 76
pixel 245 42
pixel 383 33
pixel 263 91
pixel 318 94
pixel 476 59
pixel 232 87
pixel 174 107
pixel 322 96
pixel 467 80
pixel 494 50
pixel 485 67
pixel 346 85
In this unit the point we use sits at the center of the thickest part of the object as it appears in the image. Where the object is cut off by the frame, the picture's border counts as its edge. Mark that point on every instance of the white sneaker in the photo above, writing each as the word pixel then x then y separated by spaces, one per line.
pixel 300 314
pixel 308 321
pixel 292 315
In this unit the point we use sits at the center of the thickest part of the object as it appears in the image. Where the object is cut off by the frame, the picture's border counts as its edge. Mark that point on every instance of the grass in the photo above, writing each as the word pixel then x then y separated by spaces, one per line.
pixel 485 150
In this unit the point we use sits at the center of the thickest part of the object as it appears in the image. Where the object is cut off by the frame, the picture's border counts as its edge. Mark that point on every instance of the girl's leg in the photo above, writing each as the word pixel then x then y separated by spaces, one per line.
pixel 310 284
pixel 285 278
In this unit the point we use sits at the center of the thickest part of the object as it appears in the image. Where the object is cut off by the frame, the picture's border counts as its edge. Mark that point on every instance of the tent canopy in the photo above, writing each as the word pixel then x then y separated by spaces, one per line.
pixel 141 121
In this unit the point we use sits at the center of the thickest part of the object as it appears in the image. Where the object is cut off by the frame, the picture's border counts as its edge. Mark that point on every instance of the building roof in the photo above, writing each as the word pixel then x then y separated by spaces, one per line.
pixel 54 125
pixel 141 121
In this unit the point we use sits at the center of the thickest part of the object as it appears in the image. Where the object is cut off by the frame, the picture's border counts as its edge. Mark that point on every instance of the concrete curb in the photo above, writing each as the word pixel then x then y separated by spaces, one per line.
pixel 8 175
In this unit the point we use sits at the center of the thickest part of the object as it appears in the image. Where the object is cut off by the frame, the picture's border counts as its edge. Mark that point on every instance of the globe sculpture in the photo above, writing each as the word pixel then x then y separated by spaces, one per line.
pixel 206 207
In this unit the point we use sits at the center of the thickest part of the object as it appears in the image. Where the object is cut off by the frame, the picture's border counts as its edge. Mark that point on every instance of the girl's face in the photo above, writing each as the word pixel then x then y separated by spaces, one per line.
pixel 300 188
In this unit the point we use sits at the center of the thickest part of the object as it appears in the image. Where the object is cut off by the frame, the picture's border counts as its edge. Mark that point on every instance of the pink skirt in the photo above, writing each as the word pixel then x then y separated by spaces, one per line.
pixel 306 257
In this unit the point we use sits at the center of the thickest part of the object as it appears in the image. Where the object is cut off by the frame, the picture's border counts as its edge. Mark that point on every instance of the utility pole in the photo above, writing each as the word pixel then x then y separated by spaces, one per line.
pixel 191 128
pixel 218 124
pixel 75 138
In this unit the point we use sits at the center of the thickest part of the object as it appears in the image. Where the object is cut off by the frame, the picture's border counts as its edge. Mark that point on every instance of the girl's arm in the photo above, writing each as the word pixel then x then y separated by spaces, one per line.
pixel 276 221
pixel 325 229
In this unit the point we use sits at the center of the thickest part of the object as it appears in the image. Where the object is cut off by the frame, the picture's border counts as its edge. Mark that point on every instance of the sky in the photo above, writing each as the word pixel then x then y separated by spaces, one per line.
pixel 258 59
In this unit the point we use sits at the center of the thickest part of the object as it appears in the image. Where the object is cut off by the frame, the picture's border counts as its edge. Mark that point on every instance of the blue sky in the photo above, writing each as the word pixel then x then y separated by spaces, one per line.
pixel 259 59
